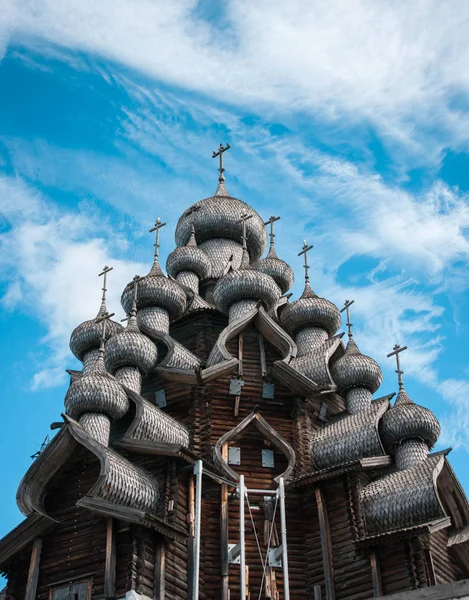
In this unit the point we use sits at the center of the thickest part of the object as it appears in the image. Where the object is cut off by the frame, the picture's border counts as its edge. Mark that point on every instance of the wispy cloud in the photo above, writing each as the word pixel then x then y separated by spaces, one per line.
pixel 401 66
pixel 50 260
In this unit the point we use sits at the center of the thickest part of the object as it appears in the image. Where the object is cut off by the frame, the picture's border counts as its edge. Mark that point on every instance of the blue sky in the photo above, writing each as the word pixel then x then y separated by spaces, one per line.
pixel 349 119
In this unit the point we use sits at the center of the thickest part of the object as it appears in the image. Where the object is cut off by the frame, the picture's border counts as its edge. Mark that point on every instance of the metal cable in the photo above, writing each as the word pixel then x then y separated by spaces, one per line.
pixel 268 546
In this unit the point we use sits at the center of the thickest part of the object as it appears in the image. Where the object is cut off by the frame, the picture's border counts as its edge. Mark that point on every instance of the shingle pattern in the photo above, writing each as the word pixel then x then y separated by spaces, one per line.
pixel 349 438
pixel 245 284
pixel 309 311
pixel 403 498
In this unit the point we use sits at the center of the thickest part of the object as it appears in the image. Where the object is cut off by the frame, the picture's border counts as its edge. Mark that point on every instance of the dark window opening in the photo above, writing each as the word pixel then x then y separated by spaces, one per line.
pixel 80 590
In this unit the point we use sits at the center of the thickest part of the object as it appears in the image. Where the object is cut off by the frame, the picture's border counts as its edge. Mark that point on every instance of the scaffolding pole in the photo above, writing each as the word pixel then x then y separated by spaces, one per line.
pixel 198 470
pixel 283 524
pixel 242 559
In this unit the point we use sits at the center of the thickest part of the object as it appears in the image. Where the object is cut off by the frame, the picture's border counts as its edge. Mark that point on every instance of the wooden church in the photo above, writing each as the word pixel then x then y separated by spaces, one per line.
pixel 227 444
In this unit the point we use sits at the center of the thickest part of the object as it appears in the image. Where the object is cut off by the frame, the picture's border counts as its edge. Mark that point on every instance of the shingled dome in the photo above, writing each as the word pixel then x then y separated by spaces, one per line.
pixel 87 336
pixel 407 420
pixel 130 348
pixel 189 258
pixel 219 217
pixel 245 284
pixel 310 311
pixel 355 369
pixel 276 268
pixel 96 391
pixel 155 289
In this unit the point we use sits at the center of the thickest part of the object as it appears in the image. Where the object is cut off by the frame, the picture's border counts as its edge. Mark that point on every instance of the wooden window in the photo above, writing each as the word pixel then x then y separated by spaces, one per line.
pixel 80 590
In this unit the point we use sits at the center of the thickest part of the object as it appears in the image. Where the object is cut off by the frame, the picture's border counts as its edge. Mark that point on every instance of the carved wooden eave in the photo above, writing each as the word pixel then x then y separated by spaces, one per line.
pixel 133 515
pixel 118 478
pixel 20 537
pixel 269 433
pixel 374 463
pixel 153 430
pixel 405 532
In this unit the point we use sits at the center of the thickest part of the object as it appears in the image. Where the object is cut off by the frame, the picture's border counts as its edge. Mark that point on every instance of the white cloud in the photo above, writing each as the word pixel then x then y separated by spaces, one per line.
pixel 51 261
pixel 398 65
pixel 455 425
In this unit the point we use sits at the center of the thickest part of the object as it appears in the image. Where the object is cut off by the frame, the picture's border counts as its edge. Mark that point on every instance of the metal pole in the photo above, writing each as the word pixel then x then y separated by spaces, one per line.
pixel 198 470
pixel 242 558
pixel 283 525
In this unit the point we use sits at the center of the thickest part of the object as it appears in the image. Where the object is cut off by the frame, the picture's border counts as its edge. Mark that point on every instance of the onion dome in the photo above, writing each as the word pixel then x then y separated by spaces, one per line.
pixel 355 369
pixel 96 391
pixel 87 336
pixel 278 269
pixel 245 284
pixel 407 420
pixel 155 289
pixel 219 217
pixel 310 311
pixel 189 258
pixel 130 348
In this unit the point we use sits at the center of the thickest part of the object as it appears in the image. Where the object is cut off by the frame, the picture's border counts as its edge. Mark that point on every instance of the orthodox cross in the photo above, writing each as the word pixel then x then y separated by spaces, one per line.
pixel 271 221
pixel 243 219
pixel 221 170
pixel 305 251
pixel 103 319
pixel 135 281
pixel 396 351
pixel 157 227
pixel 347 305
pixel 104 272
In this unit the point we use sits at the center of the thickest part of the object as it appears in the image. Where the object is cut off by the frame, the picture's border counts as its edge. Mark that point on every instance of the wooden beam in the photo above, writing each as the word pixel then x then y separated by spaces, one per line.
pixel 33 574
pixel 225 592
pixel 110 565
pixel 191 540
pixel 375 575
pixel 160 566
pixel 325 544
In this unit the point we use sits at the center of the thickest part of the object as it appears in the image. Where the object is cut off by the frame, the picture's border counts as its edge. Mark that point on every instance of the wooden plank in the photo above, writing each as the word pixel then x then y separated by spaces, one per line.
pixel 33 574
pixel 160 569
pixel 375 575
pixel 325 544
pixel 110 564
pixel 262 356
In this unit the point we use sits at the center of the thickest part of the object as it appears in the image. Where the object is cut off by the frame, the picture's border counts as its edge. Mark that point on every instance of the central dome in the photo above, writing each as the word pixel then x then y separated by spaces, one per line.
pixel 219 217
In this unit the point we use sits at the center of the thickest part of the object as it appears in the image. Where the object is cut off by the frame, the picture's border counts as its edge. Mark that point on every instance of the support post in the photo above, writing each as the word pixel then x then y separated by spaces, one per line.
pixel 198 470
pixel 225 593
pixel 325 544
pixel 283 525
pixel 110 565
pixel 242 559
pixel 33 574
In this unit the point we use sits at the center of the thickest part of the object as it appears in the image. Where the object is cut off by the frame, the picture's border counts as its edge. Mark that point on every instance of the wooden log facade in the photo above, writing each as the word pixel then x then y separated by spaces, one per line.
pixel 118 518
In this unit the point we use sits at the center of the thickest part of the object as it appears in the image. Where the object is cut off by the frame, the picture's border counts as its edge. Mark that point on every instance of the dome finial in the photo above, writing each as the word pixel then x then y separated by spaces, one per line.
pixel 103 309
pixel 132 318
pixel 305 251
pixel 221 170
pixel 102 319
pixel 157 227
pixel 396 351
pixel 245 258
pixel 271 221
pixel 347 305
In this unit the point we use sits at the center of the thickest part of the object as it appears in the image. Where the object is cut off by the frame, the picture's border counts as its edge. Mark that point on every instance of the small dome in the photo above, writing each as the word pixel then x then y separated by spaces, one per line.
pixel 245 284
pixel 278 269
pixel 354 369
pixel 407 420
pixel 87 336
pixel 219 217
pixel 189 258
pixel 155 289
pixel 130 348
pixel 310 311
pixel 96 392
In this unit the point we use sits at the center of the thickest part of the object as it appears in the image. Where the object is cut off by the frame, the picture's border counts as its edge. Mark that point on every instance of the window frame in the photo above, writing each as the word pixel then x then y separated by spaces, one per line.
pixel 58 586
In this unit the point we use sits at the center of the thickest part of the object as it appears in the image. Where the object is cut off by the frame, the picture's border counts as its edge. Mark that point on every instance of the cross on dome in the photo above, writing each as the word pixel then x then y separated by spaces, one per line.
pixel 104 273
pixel 103 319
pixel 221 149
pixel 396 351
pixel 157 227
pixel 347 305
pixel 271 221
pixel 306 248
pixel 243 220
pixel 133 311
